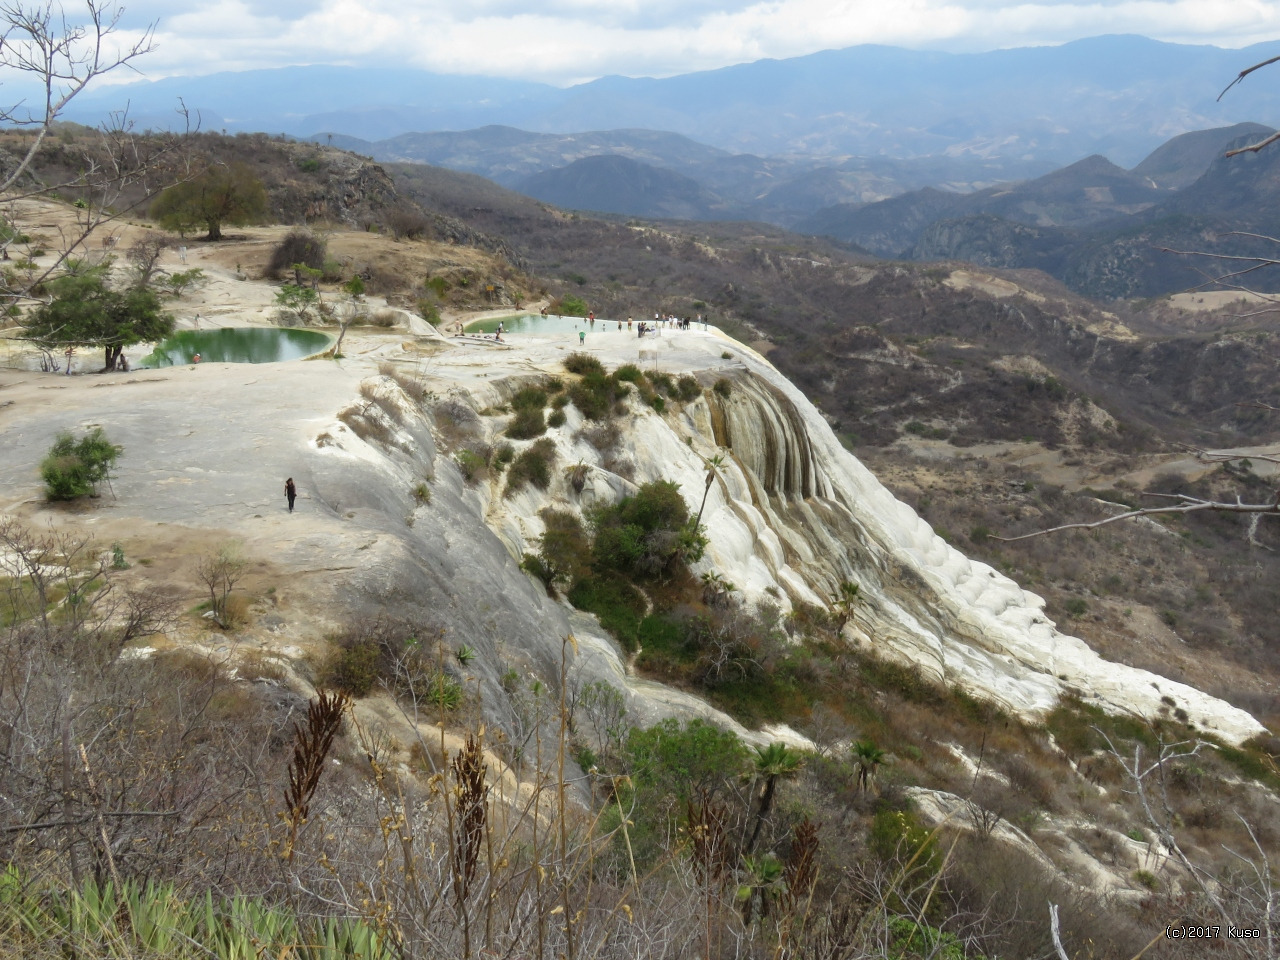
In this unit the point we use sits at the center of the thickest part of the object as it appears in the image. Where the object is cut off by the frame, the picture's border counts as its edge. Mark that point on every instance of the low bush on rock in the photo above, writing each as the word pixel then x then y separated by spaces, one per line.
pixel 74 468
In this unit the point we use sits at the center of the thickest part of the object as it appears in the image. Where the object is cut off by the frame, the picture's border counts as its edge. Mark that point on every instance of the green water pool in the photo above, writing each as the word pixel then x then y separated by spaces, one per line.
pixel 534 323
pixel 236 345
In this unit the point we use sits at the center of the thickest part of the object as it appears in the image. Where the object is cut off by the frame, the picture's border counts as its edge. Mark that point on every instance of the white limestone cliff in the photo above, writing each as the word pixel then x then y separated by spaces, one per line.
pixel 793 514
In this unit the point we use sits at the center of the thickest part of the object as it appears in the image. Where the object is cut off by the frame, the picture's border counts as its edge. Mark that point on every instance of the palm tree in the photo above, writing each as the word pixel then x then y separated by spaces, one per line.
pixel 715 588
pixel 868 757
pixel 843 607
pixel 775 762
pixel 713 469
pixel 763 874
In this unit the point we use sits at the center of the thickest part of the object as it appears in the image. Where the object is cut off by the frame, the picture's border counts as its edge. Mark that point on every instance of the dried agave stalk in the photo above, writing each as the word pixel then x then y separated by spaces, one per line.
pixel 311 746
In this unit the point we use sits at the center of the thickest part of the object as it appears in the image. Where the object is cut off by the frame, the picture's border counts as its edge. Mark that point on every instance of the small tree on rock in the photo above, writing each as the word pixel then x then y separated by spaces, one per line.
pixel 222 194
pixel 74 468
pixel 85 311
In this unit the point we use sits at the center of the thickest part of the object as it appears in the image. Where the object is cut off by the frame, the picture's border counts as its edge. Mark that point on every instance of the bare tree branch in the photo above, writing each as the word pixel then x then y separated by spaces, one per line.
pixel 64 58
pixel 1057 937
pixel 1244 73
pixel 1188 504
pixel 1254 147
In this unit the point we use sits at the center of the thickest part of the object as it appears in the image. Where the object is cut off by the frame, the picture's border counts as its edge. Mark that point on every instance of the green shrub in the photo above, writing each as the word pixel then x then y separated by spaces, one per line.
pixel 896 835
pixel 640 534
pixel 568 306
pixel 534 564
pixel 688 388
pixel 528 423
pixel 501 457
pixel 1145 878
pixel 618 604
pixel 556 418
pixel 629 372
pixel 532 466
pixel 74 468
pixel 429 310
pixel 354 669
pixel 182 280
pixel 298 246
pixel 471 464
pixel 444 692
pixel 682 760
pixel 594 395
pixel 669 765
pixel 911 939
pixel 658 404
pixel 662 382
pixel 667 646
pixel 563 546
pixel 583 363
pixel 723 388
pixel 1076 607
pixel 530 398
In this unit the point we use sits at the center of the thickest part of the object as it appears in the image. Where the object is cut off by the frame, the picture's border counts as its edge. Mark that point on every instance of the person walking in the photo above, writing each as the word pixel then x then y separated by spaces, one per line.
pixel 582 337
pixel 290 492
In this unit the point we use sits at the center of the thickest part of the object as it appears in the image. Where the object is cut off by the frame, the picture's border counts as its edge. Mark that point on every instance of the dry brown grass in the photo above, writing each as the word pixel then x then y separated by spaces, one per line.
pixel 410 381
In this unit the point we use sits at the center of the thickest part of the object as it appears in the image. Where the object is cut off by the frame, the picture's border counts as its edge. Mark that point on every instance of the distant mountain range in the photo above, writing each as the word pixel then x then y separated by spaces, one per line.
pixel 1104 231
pixel 1099 228
pixel 778 190
pixel 903 153
pixel 1119 96
pixel 1086 193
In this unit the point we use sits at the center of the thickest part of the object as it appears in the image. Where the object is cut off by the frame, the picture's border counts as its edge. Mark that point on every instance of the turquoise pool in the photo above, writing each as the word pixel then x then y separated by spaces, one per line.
pixel 535 323
pixel 236 345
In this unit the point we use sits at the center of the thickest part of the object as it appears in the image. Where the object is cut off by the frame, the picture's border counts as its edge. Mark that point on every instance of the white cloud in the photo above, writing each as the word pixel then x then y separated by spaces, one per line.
pixel 563 41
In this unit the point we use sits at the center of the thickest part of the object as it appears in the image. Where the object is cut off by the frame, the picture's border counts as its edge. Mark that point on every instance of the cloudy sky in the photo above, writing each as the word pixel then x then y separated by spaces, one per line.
pixel 566 41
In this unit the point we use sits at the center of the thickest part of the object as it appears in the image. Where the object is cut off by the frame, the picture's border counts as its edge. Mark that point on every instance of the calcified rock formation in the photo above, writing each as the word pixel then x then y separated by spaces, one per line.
pixel 793 514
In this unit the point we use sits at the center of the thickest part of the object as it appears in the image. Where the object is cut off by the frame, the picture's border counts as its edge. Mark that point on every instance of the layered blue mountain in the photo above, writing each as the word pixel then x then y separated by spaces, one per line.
pixel 1118 96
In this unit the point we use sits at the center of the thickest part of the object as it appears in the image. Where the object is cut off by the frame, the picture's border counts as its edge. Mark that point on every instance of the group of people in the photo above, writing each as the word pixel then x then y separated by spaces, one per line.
pixel 670 321
pixel 660 320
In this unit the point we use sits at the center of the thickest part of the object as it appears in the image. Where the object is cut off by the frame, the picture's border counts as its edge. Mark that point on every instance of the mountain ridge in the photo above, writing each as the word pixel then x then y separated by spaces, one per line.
pixel 1116 95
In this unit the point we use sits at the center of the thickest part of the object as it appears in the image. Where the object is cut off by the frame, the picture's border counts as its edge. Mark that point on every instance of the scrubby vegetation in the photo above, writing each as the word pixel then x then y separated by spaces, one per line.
pixel 597 393
pixel 298 247
pixel 74 468
pixel 529 420
pixel 642 542
pixel 681 839
pixel 531 466
pixel 703 846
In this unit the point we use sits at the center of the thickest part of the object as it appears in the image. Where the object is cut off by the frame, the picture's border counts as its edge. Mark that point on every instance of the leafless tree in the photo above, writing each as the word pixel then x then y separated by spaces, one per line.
pixel 144 257
pixel 45 48
pixel 220 572
pixel 1248 899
